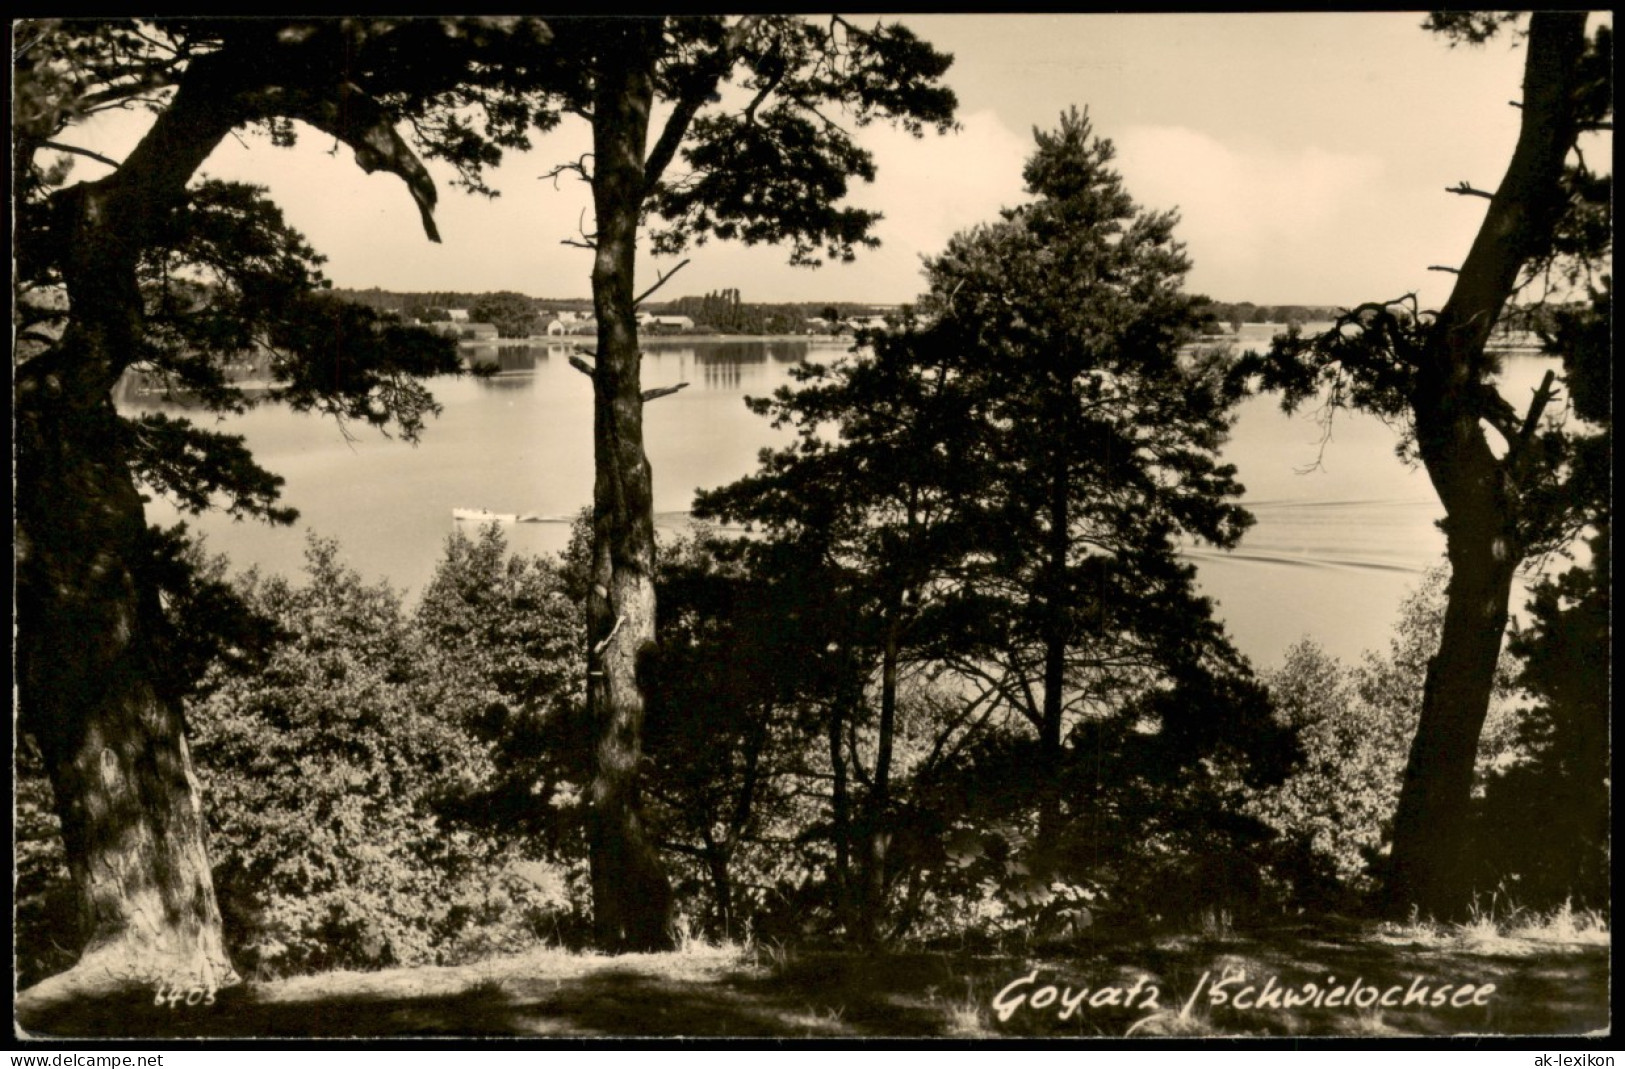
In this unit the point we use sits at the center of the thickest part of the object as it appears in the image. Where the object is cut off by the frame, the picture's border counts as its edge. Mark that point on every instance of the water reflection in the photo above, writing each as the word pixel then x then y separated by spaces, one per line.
pixel 727 365
pixel 721 376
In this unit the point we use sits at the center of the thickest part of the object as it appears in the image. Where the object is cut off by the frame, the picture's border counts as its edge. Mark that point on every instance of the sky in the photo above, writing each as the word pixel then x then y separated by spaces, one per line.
pixel 1307 155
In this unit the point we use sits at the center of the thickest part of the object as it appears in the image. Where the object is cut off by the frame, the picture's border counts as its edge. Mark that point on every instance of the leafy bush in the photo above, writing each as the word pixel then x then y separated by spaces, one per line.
pixel 328 773
pixel 507 637
pixel 1355 725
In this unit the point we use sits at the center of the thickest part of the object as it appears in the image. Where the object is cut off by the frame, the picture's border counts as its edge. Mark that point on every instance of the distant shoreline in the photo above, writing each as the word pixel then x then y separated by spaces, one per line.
pixel 650 339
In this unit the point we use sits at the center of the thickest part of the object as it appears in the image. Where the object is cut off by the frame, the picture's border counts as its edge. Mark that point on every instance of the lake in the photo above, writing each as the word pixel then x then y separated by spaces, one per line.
pixel 1334 550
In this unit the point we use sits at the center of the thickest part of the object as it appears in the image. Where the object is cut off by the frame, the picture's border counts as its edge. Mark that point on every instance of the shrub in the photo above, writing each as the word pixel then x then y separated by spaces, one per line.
pixel 1355 727
pixel 327 774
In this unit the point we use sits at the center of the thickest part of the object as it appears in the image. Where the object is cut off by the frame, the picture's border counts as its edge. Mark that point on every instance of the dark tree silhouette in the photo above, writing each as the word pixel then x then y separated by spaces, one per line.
pixel 126 250
pixel 1547 219
pixel 771 168
pixel 1004 491
pixel 1100 444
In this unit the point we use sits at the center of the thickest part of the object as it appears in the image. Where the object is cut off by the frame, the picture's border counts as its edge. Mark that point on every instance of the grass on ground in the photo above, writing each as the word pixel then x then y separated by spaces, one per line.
pixel 1550 977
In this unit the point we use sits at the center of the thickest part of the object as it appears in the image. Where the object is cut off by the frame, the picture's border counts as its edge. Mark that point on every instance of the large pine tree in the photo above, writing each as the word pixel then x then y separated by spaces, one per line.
pixel 142 268
pixel 1002 491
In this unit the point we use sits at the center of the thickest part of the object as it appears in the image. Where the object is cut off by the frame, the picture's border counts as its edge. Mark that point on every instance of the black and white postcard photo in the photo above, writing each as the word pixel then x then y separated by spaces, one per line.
pixel 988 530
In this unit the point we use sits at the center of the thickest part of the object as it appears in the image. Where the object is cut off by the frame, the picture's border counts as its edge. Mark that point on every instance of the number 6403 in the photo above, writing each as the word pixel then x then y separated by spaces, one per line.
pixel 176 996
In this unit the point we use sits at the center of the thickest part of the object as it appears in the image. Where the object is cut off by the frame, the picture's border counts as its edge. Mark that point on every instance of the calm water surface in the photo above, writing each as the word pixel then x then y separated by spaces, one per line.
pixel 1334 550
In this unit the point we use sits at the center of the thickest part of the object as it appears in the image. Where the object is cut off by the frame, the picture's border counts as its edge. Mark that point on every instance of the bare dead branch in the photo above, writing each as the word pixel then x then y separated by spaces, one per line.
pixel 579 167
pixel 602 646
pixel 662 391
pixel 1537 407
pixel 586 240
pixel 582 366
pixel 1465 189
pixel 1441 267
pixel 658 283
pixel 97 156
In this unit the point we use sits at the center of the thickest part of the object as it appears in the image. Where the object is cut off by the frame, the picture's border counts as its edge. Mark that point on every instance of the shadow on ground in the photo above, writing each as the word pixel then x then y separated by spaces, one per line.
pixel 1539 990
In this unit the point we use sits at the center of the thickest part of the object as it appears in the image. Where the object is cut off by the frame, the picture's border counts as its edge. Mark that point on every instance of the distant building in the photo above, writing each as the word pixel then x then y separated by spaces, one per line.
pixel 478 331
pixel 458 315
pixel 868 322
pixel 555 326
pixel 673 324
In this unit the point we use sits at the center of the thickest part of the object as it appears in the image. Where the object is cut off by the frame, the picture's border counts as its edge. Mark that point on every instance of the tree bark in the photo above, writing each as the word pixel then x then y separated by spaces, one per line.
pixel 841 817
pixel 1055 649
pixel 114 747
pixel 130 805
pixel 877 828
pixel 631 895
pixel 1428 869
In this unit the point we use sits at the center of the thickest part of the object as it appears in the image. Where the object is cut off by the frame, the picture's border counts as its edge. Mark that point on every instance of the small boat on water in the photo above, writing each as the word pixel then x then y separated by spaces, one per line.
pixel 484 516
pixel 487 516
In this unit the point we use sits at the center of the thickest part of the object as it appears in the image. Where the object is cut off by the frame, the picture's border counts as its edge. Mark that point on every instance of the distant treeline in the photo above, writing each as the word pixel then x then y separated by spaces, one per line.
pixel 1219 315
pixel 724 312
pixel 720 311
pixel 407 301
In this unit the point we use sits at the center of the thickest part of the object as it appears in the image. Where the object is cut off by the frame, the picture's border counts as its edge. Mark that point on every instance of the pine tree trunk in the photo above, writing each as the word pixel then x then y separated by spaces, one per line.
pixel 877 837
pixel 115 749
pixel 1055 648
pixel 114 746
pixel 841 819
pixel 1428 870
pixel 631 895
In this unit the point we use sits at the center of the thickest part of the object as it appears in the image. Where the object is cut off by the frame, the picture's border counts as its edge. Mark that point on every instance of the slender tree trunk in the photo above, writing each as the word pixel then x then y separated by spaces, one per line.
pixel 841 818
pixel 721 854
pixel 877 837
pixel 631 895
pixel 1055 643
pixel 717 856
pixel 1428 869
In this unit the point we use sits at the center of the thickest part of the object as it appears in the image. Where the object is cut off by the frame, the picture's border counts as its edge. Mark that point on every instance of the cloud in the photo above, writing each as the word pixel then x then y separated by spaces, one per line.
pixel 933 187
pixel 927 189
pixel 1261 224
